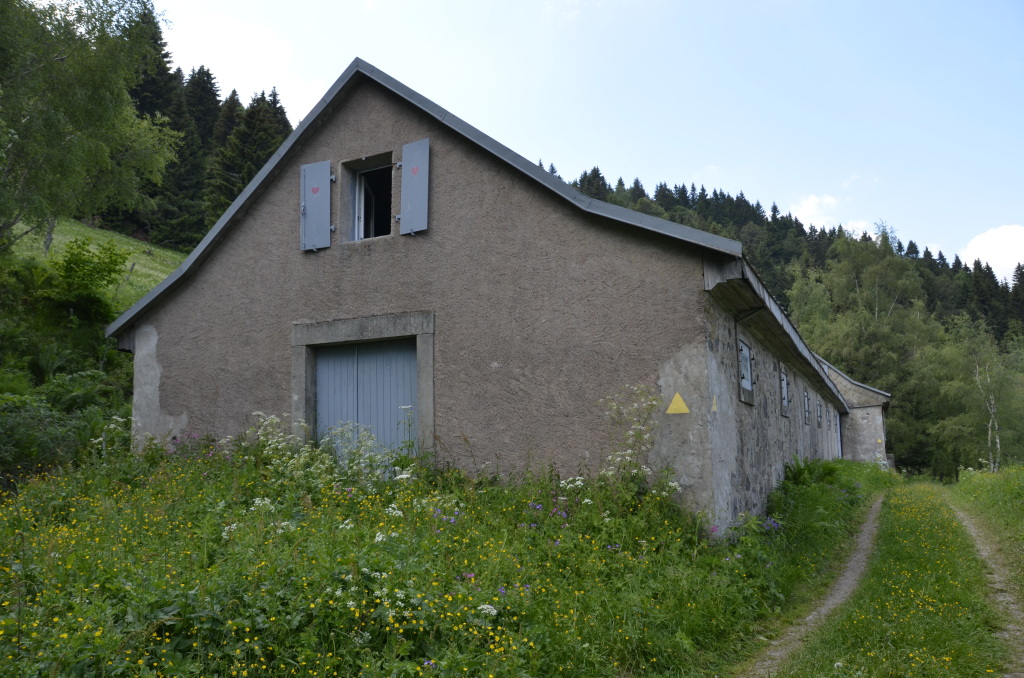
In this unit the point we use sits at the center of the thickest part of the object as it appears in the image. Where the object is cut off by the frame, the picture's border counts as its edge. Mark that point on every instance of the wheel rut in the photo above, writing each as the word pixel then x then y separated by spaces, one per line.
pixel 768 662
pixel 1000 591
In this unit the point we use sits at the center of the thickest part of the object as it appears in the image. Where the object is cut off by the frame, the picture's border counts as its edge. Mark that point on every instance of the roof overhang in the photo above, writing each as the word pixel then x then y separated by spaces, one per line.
pixel 733 284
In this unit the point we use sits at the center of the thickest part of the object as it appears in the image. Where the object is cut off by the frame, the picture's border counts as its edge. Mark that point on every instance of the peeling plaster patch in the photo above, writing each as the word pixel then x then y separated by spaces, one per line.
pixel 146 412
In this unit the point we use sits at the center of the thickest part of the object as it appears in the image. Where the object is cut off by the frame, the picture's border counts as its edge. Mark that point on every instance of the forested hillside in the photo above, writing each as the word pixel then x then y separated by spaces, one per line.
pixel 946 339
pixel 96 126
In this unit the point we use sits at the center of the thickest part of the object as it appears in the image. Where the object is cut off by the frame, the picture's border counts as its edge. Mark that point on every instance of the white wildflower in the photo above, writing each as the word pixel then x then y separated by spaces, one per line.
pixel 488 609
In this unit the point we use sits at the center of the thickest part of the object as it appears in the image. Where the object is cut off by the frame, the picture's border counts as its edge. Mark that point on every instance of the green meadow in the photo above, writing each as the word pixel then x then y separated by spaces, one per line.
pixel 146 267
pixel 265 556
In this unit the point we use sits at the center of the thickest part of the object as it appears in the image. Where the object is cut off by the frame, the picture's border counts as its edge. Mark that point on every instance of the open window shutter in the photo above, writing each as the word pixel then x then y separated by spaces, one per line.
pixel 316 206
pixel 415 176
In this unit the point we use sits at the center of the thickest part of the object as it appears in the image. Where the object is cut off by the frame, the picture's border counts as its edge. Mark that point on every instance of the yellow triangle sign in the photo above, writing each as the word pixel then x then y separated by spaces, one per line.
pixel 677 406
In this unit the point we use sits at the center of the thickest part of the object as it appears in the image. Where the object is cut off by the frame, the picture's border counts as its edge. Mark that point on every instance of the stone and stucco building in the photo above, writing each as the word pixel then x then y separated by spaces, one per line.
pixel 390 261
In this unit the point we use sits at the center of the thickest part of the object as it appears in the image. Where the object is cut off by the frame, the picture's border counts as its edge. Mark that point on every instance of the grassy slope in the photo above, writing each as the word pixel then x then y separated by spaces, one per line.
pixel 151 263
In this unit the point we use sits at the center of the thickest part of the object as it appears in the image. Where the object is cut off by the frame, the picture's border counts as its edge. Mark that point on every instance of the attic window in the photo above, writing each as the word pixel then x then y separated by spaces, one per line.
pixel 373 203
pixel 746 374
pixel 784 389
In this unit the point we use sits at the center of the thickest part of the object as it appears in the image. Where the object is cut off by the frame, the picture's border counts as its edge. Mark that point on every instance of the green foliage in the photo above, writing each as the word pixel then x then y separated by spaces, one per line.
pixel 262 554
pixel 59 377
pixel 74 142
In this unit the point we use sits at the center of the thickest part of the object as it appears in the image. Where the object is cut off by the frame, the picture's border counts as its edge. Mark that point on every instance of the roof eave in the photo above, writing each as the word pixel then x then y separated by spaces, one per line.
pixel 311 124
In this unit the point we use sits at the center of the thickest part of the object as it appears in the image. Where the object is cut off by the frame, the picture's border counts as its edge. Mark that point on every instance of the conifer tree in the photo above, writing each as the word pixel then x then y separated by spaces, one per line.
pixel 1016 305
pixel 664 197
pixel 230 114
pixel 203 98
pixel 178 218
pixel 593 184
pixel 282 126
pixel 260 131
pixel 154 93
pixel 636 191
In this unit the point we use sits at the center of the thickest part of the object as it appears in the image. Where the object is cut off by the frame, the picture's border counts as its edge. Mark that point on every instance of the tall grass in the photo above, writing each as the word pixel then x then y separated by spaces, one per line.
pixel 921 609
pixel 998 498
pixel 263 556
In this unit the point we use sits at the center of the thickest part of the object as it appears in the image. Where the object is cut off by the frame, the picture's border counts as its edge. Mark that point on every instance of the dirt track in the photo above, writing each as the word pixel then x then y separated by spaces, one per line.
pixel 768 663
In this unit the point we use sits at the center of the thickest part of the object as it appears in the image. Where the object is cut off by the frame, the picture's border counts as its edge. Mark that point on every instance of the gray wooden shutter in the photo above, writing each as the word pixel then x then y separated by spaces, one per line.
pixel 415 181
pixel 316 206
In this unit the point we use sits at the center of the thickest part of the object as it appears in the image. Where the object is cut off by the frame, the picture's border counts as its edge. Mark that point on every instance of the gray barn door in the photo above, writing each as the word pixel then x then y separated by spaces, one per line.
pixel 372 384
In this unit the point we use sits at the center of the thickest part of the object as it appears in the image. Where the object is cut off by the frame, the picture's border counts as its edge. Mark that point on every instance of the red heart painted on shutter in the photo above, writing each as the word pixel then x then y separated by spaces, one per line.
pixel 415 171
pixel 315 189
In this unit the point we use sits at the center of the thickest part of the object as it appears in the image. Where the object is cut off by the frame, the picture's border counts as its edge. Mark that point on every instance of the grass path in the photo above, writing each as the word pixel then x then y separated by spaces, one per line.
pixel 936 599
pixel 1001 592
pixel 768 663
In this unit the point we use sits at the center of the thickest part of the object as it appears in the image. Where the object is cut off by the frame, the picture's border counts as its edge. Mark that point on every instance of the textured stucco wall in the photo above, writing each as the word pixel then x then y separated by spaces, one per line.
pixel 752 442
pixel 864 427
pixel 864 434
pixel 538 310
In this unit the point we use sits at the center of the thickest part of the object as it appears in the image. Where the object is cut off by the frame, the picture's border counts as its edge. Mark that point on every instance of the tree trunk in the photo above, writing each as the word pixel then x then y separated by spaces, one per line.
pixel 51 224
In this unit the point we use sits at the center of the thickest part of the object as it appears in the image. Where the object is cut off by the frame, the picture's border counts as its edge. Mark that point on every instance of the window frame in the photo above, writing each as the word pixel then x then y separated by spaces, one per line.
pixel 784 395
pixel 746 372
pixel 366 181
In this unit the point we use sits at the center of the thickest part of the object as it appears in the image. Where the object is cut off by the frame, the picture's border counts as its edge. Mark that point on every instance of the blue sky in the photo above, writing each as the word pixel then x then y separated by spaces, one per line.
pixel 840 112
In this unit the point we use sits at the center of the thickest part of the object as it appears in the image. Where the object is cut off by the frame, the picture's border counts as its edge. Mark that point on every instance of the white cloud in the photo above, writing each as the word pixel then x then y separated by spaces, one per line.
pixel 859 226
pixel 816 210
pixel 1002 247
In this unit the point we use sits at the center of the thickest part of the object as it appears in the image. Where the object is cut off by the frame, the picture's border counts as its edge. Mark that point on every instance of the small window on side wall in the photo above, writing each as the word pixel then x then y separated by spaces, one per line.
pixel 819 414
pixel 784 389
pixel 807 408
pixel 746 374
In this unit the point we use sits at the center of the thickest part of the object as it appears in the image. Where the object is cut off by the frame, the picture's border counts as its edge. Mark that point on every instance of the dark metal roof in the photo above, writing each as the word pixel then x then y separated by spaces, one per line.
pixel 357 70
pixel 830 366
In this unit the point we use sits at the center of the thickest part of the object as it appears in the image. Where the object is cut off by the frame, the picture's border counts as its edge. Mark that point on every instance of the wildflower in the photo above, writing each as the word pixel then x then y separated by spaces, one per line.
pixel 380 537
pixel 488 609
